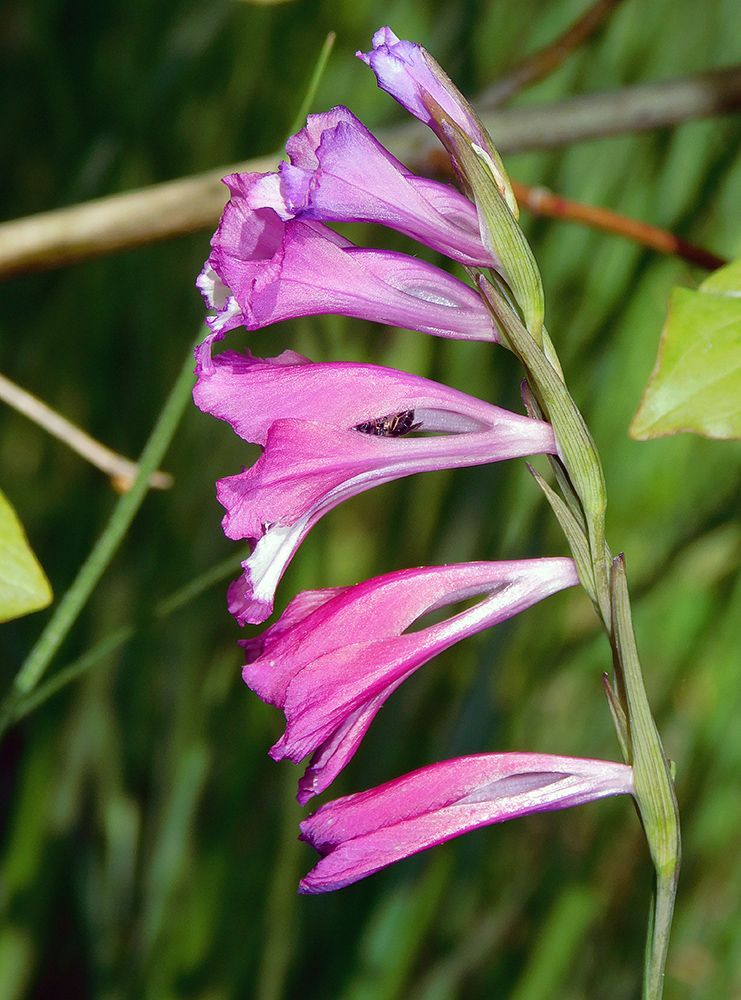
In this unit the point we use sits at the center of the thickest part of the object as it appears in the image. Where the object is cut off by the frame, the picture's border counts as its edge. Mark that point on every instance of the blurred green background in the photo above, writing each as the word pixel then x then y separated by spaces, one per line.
pixel 149 844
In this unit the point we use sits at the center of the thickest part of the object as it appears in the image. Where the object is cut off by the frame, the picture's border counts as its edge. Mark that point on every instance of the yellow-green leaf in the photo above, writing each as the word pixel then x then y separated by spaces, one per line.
pixel 696 384
pixel 23 584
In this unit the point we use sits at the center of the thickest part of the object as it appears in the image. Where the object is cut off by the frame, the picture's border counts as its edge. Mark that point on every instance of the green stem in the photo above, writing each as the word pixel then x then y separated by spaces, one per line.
pixel 576 446
pixel 316 78
pixel 658 944
pixel 103 649
pixel 90 572
pixel 654 787
pixel 637 731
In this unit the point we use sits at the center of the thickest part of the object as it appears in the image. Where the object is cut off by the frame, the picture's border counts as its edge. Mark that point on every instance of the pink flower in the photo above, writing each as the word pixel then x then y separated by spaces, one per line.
pixel 264 268
pixel 339 172
pixel 359 834
pixel 329 432
pixel 335 656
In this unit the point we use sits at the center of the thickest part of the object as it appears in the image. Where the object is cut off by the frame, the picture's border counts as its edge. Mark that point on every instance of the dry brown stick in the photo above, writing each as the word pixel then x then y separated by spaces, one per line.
pixel 117 222
pixel 543 62
pixel 137 218
pixel 544 202
pixel 121 470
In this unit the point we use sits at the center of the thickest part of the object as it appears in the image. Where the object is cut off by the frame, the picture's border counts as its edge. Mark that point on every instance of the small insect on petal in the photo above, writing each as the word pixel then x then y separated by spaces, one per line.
pixel 392 425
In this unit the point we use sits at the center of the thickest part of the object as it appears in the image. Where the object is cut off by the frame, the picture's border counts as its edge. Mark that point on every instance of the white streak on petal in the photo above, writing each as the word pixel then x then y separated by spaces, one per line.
pixel 271 555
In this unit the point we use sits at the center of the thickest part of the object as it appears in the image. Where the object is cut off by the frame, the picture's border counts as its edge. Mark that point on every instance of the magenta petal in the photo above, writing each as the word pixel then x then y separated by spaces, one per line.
pixel 263 269
pixel 335 752
pixel 307 469
pixel 362 833
pixel 306 417
pixel 339 172
pixel 252 393
pixel 330 664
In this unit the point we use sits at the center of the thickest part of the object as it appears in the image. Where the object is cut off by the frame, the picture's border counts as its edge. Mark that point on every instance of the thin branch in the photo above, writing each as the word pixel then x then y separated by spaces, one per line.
pixel 119 222
pixel 544 202
pixel 122 471
pixel 639 108
pixel 543 62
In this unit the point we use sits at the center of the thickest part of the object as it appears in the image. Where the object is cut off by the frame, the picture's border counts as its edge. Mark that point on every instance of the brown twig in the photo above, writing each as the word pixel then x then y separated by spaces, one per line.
pixel 543 62
pixel 544 202
pixel 640 108
pixel 119 222
pixel 121 470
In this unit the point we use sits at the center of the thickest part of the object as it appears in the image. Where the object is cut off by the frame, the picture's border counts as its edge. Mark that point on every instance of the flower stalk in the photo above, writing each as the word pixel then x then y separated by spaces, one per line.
pixel 587 497
pixel 654 787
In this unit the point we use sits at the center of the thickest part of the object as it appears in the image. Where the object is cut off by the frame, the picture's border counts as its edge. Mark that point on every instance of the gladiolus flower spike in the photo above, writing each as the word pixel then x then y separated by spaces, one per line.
pixel 330 431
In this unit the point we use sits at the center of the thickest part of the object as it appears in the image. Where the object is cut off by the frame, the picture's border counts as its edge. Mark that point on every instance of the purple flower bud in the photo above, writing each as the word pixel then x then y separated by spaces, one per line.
pixel 359 834
pixel 410 74
pixel 329 432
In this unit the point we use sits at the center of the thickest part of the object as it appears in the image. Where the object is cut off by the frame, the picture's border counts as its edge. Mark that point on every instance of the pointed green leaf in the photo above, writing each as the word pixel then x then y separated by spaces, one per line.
pixel 23 584
pixel 696 384
pixel 725 281
pixel 574 531
pixel 619 719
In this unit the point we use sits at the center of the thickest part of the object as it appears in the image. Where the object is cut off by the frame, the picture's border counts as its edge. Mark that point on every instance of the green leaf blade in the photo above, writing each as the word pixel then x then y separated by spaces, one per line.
pixel 23 584
pixel 696 383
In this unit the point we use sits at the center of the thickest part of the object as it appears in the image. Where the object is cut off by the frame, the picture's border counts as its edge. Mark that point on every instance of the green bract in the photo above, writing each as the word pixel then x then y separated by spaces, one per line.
pixel 498 226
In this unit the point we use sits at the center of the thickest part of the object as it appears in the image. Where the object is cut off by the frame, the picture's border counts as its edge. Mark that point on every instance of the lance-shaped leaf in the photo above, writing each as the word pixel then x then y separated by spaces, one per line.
pixel 329 432
pixel 359 834
pixel 263 269
pixel 335 656
pixel 696 384
pixel 339 172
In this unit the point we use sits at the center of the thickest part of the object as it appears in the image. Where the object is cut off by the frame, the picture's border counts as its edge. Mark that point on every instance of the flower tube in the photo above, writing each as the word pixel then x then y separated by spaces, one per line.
pixel 263 269
pixel 329 432
pixel 335 656
pixel 339 172
pixel 359 834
